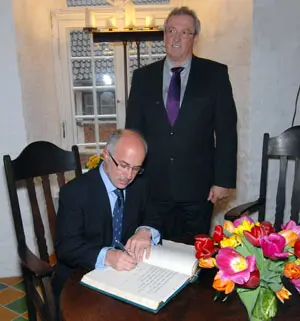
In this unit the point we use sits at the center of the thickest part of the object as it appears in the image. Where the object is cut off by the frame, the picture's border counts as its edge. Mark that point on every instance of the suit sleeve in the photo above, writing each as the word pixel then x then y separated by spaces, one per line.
pixel 71 244
pixel 134 119
pixel 226 133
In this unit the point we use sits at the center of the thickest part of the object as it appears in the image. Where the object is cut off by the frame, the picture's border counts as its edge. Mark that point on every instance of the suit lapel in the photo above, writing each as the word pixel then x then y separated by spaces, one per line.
pixel 195 87
pixel 101 201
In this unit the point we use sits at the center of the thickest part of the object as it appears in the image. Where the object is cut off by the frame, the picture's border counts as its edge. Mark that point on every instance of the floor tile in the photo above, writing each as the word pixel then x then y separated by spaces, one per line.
pixel 6 315
pixel 19 286
pixel 18 305
pixel 9 294
pixel 2 286
pixel 25 315
pixel 12 280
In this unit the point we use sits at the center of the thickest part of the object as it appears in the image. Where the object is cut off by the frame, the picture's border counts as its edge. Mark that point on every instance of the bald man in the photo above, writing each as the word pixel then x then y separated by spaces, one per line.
pixel 84 224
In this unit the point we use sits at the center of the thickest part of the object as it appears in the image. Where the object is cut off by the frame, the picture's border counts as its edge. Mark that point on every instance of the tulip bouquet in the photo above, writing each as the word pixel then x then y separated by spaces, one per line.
pixel 252 259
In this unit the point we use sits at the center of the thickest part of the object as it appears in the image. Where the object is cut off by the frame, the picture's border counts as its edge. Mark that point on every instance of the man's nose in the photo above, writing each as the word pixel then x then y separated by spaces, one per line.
pixel 129 173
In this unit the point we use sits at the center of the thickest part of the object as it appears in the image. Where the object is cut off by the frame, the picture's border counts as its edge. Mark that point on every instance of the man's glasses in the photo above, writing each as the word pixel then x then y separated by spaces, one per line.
pixel 125 167
pixel 172 32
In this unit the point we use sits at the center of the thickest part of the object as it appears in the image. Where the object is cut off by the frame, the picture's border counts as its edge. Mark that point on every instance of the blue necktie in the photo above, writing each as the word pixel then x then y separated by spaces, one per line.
pixel 173 99
pixel 118 216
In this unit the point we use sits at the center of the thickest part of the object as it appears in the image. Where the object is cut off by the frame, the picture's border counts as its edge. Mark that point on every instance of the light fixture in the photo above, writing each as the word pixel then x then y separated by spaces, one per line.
pixel 90 21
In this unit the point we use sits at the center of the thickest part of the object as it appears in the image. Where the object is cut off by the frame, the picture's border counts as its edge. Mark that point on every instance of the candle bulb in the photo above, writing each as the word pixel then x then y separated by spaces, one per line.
pixel 150 21
pixel 90 21
pixel 111 22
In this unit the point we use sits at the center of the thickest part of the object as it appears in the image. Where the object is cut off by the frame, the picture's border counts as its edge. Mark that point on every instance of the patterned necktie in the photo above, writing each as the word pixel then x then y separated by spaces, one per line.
pixel 173 99
pixel 118 216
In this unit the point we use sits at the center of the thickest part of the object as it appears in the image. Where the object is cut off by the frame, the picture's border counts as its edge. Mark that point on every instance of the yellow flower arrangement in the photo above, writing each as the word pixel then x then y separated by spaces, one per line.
pixel 94 161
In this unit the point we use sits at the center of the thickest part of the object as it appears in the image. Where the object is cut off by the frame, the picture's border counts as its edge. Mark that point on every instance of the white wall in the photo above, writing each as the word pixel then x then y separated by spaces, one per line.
pixel 27 99
pixel 36 67
pixel 275 77
pixel 12 131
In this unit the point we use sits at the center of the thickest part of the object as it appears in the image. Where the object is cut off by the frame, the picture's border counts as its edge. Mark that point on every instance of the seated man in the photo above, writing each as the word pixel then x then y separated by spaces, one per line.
pixel 91 221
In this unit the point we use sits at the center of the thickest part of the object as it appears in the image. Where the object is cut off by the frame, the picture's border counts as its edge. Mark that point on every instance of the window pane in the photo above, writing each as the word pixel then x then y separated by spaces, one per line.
pixel 82 72
pixel 106 104
pixel 149 53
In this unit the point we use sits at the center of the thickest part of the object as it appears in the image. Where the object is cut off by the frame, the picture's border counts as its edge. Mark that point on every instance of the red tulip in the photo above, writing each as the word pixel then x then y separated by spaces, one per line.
pixel 253 281
pixel 254 235
pixel 297 248
pixel 268 227
pixel 204 246
pixel 218 233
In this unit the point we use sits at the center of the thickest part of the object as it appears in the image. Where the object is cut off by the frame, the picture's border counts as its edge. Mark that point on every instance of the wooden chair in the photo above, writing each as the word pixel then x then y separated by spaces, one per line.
pixel 286 148
pixel 38 159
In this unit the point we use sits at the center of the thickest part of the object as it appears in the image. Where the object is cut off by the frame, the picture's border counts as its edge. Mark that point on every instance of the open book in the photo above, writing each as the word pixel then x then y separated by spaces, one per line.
pixel 153 282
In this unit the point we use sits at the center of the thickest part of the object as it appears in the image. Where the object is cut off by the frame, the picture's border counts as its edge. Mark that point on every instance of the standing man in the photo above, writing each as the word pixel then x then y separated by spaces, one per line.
pixel 184 107
pixel 103 207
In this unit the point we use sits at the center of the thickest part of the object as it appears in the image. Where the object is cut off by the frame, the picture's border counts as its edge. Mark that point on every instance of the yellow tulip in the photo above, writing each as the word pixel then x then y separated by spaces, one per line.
pixel 245 226
pixel 232 241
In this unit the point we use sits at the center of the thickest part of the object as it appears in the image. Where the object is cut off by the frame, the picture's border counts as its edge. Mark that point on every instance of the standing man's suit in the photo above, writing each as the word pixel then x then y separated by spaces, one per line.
pixel 84 221
pixel 199 151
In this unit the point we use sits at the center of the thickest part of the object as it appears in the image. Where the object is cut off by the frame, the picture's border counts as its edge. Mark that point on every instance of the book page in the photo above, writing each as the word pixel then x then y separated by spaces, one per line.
pixel 178 257
pixel 146 285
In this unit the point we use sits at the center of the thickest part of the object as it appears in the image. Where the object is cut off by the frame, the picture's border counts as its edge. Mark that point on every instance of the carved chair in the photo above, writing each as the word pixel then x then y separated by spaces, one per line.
pixel 286 149
pixel 35 166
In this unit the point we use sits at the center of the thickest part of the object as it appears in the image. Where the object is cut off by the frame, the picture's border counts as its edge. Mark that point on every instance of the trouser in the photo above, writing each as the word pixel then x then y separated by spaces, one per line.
pixel 185 219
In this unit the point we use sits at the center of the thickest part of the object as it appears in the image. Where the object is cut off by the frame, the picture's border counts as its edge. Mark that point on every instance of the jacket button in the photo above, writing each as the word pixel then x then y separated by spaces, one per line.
pixel 171 159
pixel 171 133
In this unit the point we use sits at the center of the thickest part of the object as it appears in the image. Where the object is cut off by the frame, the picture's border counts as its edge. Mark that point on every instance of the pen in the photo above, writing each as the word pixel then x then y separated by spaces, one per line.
pixel 122 247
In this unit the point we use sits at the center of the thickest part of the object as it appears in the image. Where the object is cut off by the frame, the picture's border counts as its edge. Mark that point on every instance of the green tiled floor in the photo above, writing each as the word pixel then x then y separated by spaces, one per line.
pixel 12 300
pixel 18 306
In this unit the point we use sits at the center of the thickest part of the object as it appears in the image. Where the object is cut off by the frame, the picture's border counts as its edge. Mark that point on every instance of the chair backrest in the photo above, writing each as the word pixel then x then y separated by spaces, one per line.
pixel 38 159
pixel 284 147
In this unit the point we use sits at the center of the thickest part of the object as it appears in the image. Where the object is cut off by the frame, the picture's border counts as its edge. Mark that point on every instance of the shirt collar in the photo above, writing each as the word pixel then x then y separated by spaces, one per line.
pixel 110 187
pixel 169 64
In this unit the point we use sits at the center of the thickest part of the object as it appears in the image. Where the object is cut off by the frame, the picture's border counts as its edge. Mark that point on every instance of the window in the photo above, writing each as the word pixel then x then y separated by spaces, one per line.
pixel 81 87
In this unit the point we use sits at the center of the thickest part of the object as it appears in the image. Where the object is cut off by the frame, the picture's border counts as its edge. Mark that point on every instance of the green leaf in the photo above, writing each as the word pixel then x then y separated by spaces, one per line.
pixel 248 297
pixel 266 305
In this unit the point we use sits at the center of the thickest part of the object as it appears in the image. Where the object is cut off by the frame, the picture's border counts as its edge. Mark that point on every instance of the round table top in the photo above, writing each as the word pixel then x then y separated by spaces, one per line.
pixel 194 303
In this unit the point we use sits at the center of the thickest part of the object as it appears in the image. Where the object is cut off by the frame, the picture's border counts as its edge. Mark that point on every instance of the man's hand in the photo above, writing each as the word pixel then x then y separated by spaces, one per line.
pixel 138 243
pixel 120 260
pixel 217 193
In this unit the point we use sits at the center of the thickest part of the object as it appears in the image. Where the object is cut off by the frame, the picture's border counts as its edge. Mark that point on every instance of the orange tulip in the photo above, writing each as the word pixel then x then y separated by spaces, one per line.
pixel 283 294
pixel 292 271
pixel 228 226
pixel 290 237
pixel 223 285
pixel 207 263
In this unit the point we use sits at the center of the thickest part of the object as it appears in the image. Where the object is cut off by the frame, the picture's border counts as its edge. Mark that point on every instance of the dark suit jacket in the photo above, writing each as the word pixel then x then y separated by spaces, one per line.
pixel 84 221
pixel 183 161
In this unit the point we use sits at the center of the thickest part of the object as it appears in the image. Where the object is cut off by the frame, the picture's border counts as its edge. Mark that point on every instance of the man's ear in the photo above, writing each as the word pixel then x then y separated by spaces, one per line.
pixel 105 154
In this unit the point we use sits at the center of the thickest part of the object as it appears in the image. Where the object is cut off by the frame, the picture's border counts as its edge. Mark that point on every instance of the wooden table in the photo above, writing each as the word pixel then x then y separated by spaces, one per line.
pixel 193 303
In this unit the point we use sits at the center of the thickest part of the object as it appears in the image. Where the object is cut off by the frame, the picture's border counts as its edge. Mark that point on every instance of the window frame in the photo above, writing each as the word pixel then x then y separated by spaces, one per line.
pixel 72 18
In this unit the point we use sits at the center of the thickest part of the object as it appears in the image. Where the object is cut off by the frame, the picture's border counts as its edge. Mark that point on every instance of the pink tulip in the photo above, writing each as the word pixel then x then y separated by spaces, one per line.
pixel 273 245
pixel 292 226
pixel 296 283
pixel 233 266
pixel 240 220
